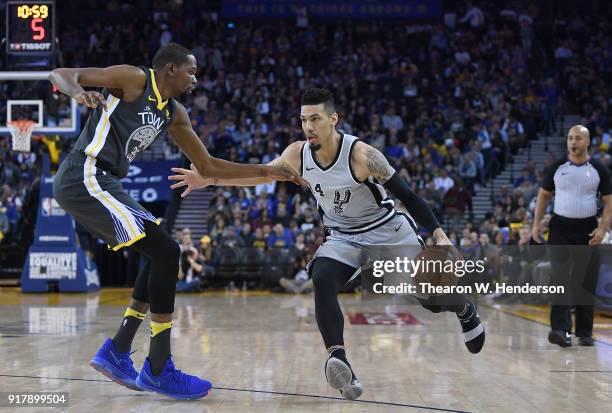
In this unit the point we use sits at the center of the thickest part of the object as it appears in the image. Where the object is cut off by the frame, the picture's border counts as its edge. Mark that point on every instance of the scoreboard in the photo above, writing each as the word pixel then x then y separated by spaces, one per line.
pixel 30 27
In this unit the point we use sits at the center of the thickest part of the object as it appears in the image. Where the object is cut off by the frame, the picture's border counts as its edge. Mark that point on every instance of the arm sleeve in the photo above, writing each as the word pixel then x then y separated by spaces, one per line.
pixel 605 187
pixel 415 205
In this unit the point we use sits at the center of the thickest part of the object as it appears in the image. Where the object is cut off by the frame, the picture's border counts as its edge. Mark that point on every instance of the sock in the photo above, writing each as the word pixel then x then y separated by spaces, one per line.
pixel 338 352
pixel 127 330
pixel 159 350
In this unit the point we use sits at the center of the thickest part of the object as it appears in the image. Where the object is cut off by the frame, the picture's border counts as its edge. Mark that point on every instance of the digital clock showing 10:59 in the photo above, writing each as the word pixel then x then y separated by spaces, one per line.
pixel 30 27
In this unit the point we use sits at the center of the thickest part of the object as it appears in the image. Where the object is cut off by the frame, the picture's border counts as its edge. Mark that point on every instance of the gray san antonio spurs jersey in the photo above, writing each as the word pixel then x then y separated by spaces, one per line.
pixel 345 204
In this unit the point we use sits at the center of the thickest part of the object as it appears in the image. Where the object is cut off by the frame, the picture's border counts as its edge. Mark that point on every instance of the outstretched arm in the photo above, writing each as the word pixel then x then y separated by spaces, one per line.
pixel 368 161
pixel 130 80
pixel 211 167
pixel 289 159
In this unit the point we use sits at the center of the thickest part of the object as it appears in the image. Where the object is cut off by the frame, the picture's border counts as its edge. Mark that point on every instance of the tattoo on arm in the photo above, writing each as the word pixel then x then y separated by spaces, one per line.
pixel 378 166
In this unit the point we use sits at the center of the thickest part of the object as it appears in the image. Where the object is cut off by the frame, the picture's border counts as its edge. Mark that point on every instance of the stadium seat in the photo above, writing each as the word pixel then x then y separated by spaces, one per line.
pixel 278 264
pixel 251 263
pixel 227 265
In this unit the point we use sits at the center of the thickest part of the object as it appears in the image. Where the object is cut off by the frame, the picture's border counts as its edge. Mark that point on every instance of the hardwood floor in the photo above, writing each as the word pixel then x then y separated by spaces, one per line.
pixel 263 353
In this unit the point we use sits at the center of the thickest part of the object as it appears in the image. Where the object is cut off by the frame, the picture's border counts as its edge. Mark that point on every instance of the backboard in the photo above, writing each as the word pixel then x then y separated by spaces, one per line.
pixel 30 95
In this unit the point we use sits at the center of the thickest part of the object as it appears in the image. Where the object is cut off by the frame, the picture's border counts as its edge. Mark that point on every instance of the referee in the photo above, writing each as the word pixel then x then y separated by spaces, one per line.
pixel 575 180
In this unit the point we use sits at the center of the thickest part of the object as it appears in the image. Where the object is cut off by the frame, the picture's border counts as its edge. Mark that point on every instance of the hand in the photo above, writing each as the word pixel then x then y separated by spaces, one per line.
pixel 536 233
pixel 91 99
pixel 440 237
pixel 598 235
pixel 190 178
pixel 284 173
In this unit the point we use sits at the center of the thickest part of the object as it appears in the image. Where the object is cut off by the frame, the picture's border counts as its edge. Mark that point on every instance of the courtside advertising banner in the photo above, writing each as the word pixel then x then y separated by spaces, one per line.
pixel 55 255
pixel 147 181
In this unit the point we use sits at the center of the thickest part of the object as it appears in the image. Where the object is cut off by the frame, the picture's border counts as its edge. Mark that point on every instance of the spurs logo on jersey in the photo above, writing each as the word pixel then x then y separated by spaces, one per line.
pixel 355 206
pixel 338 203
pixel 114 137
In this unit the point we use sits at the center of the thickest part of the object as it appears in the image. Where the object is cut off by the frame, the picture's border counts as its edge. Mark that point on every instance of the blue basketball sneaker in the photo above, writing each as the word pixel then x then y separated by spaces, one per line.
pixel 116 366
pixel 172 382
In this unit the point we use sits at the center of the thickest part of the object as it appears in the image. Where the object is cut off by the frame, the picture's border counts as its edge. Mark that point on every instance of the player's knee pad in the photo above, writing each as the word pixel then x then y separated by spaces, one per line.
pixel 162 251
pixel 323 279
pixel 173 254
pixel 329 275
pixel 170 261
pixel 158 245
pixel 430 305
pixel 448 302
pixel 433 308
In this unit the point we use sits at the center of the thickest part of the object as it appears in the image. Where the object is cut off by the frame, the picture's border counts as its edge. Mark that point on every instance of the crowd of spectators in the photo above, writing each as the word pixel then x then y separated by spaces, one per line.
pixel 583 58
pixel 251 218
pixel 448 102
pixel 18 173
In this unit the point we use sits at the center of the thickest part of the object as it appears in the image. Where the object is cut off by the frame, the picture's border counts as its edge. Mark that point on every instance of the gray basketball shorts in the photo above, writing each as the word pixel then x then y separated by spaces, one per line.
pixel 352 249
pixel 97 200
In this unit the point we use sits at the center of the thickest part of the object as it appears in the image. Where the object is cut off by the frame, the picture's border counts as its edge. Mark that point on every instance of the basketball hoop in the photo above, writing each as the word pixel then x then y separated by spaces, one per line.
pixel 21 131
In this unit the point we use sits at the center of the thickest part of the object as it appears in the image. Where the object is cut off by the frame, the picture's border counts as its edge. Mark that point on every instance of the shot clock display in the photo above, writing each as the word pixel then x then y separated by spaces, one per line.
pixel 30 27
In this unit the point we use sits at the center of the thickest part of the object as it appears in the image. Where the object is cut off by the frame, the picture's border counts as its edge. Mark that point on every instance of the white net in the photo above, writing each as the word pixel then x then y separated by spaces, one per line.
pixel 21 131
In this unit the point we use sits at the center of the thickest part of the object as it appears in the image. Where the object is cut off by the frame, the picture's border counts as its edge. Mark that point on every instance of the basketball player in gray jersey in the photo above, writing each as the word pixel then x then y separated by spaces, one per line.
pixel 349 180
pixel 135 106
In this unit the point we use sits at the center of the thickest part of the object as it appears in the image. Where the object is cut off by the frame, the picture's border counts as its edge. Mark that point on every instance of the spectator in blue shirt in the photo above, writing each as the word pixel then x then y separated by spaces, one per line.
pixel 526 176
pixel 393 149
pixel 280 237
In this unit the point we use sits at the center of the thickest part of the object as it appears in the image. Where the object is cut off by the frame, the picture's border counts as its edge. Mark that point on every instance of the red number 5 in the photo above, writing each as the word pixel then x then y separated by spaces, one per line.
pixel 37 29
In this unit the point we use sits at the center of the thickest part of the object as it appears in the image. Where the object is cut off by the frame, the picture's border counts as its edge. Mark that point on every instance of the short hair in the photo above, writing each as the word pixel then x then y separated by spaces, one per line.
pixel 170 53
pixel 316 96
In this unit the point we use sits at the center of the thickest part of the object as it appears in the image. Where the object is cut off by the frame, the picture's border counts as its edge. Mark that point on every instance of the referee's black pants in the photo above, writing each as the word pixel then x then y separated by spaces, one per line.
pixel 574 266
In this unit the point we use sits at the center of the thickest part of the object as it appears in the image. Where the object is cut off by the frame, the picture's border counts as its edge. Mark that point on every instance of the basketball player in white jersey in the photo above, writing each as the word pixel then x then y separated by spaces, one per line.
pixel 349 180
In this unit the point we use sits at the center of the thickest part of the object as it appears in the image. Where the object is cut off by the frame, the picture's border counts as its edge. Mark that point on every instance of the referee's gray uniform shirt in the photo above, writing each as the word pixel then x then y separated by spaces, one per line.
pixel 576 187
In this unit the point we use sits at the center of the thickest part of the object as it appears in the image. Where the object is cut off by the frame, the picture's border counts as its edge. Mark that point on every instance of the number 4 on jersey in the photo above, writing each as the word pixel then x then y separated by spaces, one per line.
pixel 319 190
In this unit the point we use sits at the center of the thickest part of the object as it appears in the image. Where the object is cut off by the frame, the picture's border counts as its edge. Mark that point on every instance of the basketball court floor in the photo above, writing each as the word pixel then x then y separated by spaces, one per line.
pixel 263 353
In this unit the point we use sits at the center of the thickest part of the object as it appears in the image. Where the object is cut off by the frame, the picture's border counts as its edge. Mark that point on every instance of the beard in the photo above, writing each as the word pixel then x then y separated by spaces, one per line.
pixel 184 95
pixel 315 147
